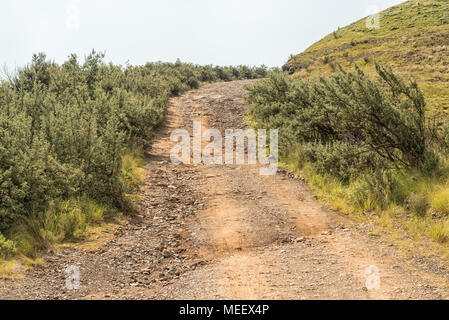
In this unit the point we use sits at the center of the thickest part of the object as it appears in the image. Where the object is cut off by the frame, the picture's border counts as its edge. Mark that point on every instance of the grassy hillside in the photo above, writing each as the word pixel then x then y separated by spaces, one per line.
pixel 413 38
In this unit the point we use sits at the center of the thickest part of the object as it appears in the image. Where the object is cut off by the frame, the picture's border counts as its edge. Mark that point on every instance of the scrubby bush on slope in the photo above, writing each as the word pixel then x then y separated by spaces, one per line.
pixel 347 123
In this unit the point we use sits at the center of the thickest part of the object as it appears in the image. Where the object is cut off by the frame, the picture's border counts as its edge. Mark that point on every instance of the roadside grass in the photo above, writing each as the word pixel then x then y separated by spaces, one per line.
pixel 133 171
pixel 440 200
pixel 63 221
pixel 415 212
pixel 440 231
pixel 8 270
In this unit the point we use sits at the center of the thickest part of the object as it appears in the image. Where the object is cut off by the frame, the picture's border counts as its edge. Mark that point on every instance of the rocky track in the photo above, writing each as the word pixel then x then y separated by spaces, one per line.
pixel 226 232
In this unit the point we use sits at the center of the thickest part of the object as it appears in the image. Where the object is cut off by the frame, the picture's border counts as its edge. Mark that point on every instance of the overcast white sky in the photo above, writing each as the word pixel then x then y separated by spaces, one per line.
pixel 222 32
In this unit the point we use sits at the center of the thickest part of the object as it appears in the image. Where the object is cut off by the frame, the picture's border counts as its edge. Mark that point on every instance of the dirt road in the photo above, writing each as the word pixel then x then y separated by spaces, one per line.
pixel 226 232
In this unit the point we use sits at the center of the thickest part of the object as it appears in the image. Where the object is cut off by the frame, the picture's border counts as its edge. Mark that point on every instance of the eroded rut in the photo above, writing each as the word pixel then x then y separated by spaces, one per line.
pixel 226 232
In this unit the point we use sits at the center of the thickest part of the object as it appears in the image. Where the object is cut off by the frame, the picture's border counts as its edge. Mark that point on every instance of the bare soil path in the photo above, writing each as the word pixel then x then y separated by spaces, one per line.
pixel 226 232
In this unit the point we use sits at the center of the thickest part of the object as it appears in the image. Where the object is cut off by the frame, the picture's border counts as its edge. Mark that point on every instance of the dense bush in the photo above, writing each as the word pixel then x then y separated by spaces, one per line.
pixel 347 124
pixel 64 128
pixel 7 247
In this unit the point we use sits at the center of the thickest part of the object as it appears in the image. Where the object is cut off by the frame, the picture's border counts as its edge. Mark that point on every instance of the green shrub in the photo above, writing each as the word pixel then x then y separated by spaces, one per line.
pixel 419 204
pixel 7 247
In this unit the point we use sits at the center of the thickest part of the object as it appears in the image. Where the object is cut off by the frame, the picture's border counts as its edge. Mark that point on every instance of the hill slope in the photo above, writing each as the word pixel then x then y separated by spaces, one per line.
pixel 412 37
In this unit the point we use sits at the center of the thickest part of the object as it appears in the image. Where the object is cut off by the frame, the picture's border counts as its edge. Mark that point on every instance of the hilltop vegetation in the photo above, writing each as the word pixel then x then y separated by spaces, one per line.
pixel 412 38
pixel 362 116
pixel 71 141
